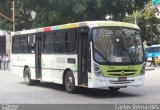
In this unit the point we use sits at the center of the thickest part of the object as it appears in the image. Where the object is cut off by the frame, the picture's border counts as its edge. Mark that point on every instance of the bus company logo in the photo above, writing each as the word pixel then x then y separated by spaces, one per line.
pixel 122 73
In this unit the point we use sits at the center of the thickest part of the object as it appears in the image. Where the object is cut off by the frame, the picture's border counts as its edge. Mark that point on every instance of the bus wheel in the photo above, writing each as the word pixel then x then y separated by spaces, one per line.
pixel 70 82
pixel 27 77
pixel 113 89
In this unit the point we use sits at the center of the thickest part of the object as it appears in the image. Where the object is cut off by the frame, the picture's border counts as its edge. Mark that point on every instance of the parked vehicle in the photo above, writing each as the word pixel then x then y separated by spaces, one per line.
pixel 154 49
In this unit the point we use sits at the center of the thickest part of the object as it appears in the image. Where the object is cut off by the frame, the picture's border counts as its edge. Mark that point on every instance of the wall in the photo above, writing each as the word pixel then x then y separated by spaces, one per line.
pixel 5 42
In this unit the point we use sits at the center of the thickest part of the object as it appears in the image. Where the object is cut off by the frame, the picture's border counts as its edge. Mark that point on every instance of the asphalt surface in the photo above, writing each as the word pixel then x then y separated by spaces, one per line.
pixel 14 91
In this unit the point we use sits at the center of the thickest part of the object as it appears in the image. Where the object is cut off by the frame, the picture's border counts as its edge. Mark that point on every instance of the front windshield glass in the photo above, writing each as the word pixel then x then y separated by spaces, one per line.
pixel 118 45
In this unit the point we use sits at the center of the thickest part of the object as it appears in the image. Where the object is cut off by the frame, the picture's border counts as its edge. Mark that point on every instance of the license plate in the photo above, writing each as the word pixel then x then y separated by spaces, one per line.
pixel 122 78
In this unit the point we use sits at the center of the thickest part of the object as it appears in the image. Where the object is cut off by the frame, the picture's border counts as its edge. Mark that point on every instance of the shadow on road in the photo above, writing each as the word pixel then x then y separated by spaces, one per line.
pixel 93 93
pixel 49 85
pixel 101 93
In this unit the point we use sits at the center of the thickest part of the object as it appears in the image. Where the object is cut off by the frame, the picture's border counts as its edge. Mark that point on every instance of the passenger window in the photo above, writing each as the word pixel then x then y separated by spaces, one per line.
pixel 58 42
pixel 15 43
pixel 31 44
pixel 47 42
pixel 22 44
pixel 70 42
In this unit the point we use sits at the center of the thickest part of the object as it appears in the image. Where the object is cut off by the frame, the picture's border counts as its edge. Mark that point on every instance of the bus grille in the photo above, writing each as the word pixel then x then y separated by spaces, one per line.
pixel 122 72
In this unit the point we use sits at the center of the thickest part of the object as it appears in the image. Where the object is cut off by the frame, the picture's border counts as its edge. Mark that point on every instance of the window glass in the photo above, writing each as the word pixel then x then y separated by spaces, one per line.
pixel 55 47
pixel 23 40
pixel 70 42
pixel 22 44
pixel 117 45
pixel 47 42
pixel 30 44
pixel 22 48
pixel 58 42
pixel 47 48
pixel 15 42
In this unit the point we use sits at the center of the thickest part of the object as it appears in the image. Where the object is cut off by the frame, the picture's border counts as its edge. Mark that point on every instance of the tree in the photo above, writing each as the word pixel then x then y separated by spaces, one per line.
pixel 146 20
pixel 5 8
pixel 54 12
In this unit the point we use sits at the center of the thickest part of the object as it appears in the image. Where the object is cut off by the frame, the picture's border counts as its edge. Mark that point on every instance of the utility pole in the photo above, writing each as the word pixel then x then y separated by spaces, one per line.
pixel 13 20
pixel 135 17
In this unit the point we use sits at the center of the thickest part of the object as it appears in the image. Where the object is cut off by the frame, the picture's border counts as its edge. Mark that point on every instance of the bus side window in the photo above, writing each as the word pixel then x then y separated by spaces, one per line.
pixel 47 42
pixel 30 44
pixel 58 42
pixel 23 44
pixel 70 41
pixel 15 43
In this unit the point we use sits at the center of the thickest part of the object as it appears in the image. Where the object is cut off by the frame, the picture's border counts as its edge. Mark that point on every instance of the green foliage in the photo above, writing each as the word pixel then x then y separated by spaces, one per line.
pixel 150 25
pixel 54 12
pixel 4 8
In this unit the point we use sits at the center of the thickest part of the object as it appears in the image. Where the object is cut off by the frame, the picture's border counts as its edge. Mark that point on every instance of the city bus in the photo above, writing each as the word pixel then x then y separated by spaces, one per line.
pixel 153 50
pixel 90 54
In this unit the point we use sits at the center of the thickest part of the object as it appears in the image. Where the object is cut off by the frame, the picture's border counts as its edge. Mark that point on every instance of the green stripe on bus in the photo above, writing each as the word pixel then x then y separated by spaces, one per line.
pixel 136 69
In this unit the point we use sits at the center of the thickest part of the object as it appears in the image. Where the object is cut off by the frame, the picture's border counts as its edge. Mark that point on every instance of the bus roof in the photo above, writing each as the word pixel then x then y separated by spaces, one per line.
pixel 157 45
pixel 89 24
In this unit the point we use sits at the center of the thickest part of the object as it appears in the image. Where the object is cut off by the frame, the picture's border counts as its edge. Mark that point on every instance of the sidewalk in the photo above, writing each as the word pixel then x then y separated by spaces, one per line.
pixel 151 67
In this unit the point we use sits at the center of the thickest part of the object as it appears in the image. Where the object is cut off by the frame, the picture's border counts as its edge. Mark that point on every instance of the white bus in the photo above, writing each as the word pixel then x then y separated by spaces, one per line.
pixel 91 54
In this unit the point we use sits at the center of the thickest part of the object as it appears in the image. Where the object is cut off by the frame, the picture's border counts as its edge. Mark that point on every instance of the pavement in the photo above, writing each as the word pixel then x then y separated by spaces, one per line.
pixel 13 90
pixel 152 67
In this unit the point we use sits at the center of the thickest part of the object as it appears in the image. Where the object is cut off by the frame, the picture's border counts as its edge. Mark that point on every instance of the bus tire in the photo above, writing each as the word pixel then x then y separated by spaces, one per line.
pixel 27 77
pixel 113 89
pixel 36 82
pixel 69 82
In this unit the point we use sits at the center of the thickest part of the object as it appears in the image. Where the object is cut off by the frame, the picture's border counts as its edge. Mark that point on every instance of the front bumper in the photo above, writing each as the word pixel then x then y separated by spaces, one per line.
pixel 104 82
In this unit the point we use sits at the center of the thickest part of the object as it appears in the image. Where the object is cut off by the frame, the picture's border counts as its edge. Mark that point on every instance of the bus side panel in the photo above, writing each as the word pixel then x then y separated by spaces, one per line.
pixel 19 61
pixel 71 62
pixel 47 74
pixel 53 67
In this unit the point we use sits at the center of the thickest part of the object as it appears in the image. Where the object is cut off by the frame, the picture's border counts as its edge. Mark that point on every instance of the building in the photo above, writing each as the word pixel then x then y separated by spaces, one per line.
pixel 5 42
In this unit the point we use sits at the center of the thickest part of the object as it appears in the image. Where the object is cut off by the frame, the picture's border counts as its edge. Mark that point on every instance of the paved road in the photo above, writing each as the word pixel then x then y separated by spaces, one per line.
pixel 14 91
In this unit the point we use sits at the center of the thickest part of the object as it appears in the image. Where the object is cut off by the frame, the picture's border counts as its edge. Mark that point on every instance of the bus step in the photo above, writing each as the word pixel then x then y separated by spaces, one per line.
pixel 83 85
pixel 38 78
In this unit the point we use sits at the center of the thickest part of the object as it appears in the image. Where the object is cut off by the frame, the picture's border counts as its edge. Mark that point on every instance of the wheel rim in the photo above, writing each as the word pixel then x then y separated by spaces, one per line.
pixel 69 83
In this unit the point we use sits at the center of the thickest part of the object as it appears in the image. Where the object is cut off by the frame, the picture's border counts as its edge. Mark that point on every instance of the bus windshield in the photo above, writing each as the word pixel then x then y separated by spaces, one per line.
pixel 117 45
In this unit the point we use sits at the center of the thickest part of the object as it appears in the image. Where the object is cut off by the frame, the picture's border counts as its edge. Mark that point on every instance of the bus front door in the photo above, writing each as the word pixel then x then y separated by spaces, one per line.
pixel 82 59
pixel 38 52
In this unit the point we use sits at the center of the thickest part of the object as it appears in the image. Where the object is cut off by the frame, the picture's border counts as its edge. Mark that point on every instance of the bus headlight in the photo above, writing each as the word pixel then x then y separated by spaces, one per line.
pixel 97 70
